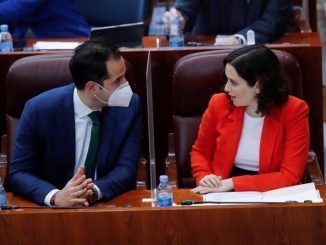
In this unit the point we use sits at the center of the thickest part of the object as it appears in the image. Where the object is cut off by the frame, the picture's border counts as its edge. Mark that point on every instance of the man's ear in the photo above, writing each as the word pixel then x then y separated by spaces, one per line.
pixel 91 86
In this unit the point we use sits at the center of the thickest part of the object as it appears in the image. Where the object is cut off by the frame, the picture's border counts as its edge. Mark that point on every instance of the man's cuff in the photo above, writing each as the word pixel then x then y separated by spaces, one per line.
pixel 49 196
pixel 242 39
pixel 99 193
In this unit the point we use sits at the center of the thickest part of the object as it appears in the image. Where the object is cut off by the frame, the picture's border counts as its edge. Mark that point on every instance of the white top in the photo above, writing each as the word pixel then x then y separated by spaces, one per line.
pixel 83 128
pixel 248 150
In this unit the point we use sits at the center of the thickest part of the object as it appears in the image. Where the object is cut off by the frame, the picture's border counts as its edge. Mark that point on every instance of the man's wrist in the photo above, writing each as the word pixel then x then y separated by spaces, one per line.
pixel 48 197
pixel 241 39
pixel 52 200
pixel 93 197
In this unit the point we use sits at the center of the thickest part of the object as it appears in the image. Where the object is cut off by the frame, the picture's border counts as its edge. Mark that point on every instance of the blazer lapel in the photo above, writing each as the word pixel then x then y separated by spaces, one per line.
pixel 270 131
pixel 66 119
pixel 233 134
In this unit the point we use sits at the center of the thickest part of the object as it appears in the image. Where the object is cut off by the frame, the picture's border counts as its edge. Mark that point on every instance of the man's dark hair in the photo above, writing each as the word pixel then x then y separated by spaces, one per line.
pixel 89 61
pixel 258 63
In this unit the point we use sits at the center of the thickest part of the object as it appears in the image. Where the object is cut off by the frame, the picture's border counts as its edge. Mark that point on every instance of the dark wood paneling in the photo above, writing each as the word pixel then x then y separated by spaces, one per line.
pixel 226 224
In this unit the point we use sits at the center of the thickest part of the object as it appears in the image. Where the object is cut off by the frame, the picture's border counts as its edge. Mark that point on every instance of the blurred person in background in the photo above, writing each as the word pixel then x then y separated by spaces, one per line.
pixel 269 19
pixel 43 19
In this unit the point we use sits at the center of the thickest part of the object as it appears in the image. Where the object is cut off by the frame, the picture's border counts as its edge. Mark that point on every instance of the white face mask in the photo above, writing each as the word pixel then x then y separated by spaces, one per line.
pixel 121 96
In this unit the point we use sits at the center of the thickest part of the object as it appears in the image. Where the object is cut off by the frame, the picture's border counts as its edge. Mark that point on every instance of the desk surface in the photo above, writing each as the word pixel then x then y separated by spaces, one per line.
pixel 309 38
pixel 140 224
pixel 134 198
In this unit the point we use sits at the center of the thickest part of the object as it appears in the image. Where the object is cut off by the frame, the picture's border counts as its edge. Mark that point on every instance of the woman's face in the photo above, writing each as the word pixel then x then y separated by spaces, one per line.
pixel 238 89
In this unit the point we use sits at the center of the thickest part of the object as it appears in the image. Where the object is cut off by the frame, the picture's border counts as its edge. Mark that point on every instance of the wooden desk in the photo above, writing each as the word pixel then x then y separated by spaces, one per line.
pixel 305 47
pixel 140 224
pixel 288 39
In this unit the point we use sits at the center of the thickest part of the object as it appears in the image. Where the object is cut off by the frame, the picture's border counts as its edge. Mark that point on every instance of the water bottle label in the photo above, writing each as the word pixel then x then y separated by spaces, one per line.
pixel 6 47
pixel 164 201
pixel 2 200
pixel 176 42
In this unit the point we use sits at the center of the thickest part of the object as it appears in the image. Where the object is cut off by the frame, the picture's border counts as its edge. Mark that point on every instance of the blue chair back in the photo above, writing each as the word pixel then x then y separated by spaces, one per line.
pixel 113 12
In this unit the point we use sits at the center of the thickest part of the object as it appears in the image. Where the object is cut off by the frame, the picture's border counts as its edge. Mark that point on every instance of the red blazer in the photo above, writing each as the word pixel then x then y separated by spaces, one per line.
pixel 283 147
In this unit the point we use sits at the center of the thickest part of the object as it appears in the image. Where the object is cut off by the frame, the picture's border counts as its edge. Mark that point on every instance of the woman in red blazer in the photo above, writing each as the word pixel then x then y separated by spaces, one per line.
pixel 255 136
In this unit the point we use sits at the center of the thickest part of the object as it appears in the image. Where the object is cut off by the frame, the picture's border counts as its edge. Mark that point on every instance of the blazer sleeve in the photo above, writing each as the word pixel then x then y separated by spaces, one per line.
pixel 123 175
pixel 15 10
pixel 295 154
pixel 189 10
pixel 276 19
pixel 202 152
pixel 25 164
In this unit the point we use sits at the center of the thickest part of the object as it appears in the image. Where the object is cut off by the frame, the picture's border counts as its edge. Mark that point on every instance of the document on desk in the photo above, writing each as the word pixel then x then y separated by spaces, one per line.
pixel 45 45
pixel 297 193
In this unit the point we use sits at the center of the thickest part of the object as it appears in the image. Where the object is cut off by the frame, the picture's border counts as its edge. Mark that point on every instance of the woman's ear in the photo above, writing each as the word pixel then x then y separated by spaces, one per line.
pixel 257 87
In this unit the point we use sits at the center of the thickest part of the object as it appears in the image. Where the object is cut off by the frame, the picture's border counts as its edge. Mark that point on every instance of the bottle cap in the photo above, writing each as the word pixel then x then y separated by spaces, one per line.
pixel 164 179
pixel 4 28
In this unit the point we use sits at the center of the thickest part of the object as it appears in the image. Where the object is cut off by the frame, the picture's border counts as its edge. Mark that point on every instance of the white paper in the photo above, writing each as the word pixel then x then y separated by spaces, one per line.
pixel 298 193
pixel 44 45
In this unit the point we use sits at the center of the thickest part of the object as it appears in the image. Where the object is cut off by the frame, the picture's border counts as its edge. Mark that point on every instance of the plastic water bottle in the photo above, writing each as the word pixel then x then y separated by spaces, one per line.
pixel 176 38
pixel 6 44
pixel 164 192
pixel 2 194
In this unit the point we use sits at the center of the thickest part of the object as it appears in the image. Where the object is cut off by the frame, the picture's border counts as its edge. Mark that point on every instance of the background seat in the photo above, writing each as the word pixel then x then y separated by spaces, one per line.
pixel 196 78
pixel 30 76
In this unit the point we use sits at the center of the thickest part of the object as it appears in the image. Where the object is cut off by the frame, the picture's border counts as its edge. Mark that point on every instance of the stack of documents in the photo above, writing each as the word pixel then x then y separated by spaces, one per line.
pixel 297 193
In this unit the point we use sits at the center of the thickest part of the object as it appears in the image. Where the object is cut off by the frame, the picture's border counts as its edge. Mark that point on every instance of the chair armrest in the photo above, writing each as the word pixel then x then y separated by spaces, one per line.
pixel 3 158
pixel 313 172
pixel 141 179
pixel 170 162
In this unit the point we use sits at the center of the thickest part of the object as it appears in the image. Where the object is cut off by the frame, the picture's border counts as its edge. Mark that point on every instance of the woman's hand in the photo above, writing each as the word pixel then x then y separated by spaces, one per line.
pixel 211 180
pixel 226 185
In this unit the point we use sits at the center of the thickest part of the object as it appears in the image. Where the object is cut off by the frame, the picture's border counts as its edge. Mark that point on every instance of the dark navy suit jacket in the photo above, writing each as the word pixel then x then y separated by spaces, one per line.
pixel 268 18
pixel 44 149
pixel 46 18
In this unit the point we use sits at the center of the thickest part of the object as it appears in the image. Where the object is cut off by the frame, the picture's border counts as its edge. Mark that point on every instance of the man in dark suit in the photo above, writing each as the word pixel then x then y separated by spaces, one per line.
pixel 80 143
pixel 269 19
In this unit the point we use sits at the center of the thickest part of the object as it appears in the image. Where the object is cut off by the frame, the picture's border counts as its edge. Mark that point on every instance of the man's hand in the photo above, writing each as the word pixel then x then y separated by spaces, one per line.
pixel 76 191
pixel 233 40
pixel 226 185
pixel 169 15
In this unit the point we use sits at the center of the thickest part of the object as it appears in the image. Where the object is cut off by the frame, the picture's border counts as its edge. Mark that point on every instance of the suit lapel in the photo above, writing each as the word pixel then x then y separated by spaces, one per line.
pixel 233 134
pixel 67 131
pixel 270 131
